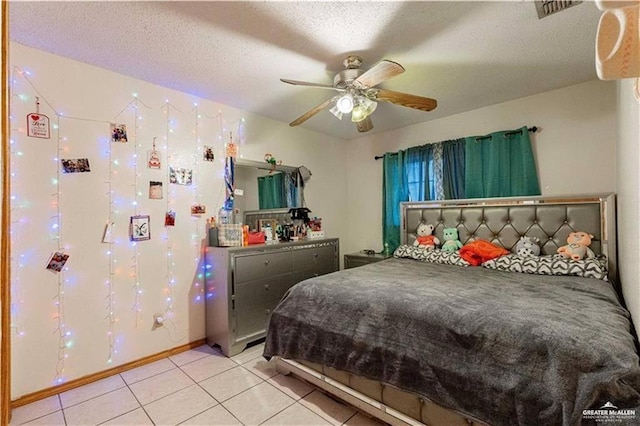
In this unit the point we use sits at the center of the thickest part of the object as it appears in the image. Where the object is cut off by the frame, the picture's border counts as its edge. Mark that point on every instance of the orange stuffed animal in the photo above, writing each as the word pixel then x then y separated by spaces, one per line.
pixel 578 247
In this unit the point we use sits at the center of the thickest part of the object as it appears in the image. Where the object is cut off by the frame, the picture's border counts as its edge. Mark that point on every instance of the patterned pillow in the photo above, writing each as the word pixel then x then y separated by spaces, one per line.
pixel 430 255
pixel 551 265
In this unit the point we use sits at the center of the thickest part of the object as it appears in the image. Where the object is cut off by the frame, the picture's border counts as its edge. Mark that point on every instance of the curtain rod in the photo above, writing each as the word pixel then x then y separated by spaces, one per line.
pixel 532 129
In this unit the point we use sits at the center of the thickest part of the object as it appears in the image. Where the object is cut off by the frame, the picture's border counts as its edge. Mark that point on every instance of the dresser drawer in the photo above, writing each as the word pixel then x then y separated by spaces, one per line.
pixel 321 259
pixel 263 265
pixel 255 300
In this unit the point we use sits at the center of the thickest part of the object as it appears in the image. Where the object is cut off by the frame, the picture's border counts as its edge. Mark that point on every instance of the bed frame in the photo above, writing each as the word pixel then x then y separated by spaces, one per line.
pixel 500 220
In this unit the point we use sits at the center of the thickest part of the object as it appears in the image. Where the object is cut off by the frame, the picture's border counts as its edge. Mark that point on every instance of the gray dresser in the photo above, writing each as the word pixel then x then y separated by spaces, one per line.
pixel 244 284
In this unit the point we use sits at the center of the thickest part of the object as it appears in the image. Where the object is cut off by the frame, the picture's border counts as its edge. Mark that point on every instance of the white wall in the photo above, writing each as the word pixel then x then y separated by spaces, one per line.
pixel 574 148
pixel 95 300
pixel 628 196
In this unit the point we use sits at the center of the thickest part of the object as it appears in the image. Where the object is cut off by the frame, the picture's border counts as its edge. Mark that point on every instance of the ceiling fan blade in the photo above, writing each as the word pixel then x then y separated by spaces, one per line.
pixel 304 83
pixel 380 72
pixel 364 125
pixel 404 99
pixel 307 115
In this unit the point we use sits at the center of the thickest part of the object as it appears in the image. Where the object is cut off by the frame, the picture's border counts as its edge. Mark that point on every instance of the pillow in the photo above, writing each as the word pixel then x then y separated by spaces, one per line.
pixel 551 265
pixel 428 254
pixel 479 251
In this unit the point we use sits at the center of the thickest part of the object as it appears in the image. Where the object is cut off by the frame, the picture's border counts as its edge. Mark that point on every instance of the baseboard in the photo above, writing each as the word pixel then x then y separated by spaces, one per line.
pixel 45 393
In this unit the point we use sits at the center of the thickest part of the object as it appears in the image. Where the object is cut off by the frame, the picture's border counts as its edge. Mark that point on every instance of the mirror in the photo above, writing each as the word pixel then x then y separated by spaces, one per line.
pixel 246 176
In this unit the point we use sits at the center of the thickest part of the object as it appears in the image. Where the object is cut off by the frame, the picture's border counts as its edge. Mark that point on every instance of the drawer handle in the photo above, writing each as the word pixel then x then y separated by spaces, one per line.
pixel 268 311
pixel 266 262
pixel 266 286
pixel 315 254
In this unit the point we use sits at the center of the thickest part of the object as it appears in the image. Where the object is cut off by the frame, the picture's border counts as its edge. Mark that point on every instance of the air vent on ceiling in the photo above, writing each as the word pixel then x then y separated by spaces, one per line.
pixel 549 7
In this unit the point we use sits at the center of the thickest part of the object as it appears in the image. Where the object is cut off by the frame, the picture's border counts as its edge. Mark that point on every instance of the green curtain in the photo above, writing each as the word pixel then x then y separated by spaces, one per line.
pixel 453 169
pixel 394 190
pixel 500 165
pixel 271 191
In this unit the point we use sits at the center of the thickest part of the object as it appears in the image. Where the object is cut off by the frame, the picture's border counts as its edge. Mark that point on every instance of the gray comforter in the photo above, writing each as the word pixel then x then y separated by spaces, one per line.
pixel 506 348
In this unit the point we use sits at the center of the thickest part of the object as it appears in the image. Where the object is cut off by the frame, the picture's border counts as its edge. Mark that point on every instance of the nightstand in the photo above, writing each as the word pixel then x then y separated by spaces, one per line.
pixel 359 259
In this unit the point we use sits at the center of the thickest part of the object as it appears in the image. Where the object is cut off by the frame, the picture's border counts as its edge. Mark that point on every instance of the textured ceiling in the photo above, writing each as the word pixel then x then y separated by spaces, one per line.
pixel 464 54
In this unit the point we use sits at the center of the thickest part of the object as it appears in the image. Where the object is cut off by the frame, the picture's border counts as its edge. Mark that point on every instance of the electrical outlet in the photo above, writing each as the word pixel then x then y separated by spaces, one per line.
pixel 158 320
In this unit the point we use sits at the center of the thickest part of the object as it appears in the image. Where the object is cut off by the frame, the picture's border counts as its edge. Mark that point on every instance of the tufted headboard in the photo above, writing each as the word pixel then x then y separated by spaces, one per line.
pixel 503 221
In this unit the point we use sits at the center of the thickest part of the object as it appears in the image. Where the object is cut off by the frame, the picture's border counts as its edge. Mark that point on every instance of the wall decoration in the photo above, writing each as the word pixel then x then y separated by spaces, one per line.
pixel 118 132
pixel 208 153
pixel 77 165
pixel 140 228
pixel 170 218
pixel 155 190
pixel 272 160
pixel 107 235
pixel 198 209
pixel 231 151
pixel 38 124
pixel 153 157
pixel 180 176
pixel 56 261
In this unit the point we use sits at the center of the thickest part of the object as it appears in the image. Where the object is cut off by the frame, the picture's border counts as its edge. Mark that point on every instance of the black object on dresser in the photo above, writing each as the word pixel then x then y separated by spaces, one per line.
pixel 353 260
pixel 244 284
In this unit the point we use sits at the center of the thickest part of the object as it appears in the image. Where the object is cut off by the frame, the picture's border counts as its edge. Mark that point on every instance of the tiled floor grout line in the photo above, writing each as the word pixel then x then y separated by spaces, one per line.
pixel 137 400
pixel 255 369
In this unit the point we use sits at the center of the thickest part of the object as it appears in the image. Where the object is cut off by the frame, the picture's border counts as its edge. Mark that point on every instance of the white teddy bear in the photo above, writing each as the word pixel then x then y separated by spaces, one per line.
pixel 425 237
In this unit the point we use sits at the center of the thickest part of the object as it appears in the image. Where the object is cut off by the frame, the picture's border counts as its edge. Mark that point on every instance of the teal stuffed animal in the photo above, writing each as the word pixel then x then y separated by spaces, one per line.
pixel 451 242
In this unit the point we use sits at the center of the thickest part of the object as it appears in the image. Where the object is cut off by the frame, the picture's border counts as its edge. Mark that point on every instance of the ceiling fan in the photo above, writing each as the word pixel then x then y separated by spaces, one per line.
pixel 358 94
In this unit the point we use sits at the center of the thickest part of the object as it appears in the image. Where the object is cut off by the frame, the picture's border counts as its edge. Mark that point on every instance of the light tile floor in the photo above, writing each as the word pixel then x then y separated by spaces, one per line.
pixel 197 387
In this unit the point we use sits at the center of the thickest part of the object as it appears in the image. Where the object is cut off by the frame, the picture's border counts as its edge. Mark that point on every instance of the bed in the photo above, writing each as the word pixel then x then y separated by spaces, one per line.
pixel 423 339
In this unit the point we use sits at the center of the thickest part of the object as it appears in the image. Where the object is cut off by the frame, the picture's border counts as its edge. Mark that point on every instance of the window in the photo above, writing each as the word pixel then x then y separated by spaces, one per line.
pixel 420 179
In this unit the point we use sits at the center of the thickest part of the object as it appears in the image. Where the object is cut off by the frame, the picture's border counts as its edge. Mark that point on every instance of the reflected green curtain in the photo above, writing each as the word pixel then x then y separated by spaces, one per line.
pixel 271 191
pixel 500 165
pixel 453 167
pixel 394 190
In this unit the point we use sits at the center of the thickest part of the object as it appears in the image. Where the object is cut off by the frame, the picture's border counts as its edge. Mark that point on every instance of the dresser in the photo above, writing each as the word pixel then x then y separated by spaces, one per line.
pixel 359 259
pixel 244 285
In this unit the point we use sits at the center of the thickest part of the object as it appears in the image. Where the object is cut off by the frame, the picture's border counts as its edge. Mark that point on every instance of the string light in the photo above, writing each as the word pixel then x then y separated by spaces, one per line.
pixel 63 343
pixel 118 204
pixel 170 278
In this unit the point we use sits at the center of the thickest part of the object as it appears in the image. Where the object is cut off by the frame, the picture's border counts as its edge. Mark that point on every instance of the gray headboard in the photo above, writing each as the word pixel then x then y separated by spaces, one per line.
pixel 503 221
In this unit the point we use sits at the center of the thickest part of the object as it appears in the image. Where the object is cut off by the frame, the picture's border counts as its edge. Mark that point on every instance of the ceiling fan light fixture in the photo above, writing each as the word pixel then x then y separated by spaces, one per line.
pixel 336 112
pixel 363 109
pixel 359 113
pixel 345 104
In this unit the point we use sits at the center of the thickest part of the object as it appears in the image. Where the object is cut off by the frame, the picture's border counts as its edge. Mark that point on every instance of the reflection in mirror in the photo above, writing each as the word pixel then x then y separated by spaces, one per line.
pixel 264 188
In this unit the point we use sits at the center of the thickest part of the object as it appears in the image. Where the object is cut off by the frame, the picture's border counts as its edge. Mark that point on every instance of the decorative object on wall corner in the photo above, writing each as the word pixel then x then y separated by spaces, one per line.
pixel 107 235
pixel 38 124
pixel 180 175
pixel 170 218
pixel 140 228
pixel 231 152
pixel 208 153
pixel 153 157
pixel 618 41
pixel 76 165
pixel 272 160
pixel 155 190
pixel 118 132
pixel 198 209
pixel 57 261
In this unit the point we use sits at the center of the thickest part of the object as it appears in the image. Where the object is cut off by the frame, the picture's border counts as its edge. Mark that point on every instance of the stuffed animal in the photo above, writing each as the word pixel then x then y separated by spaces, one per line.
pixel 451 242
pixel 528 247
pixel 578 247
pixel 425 237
